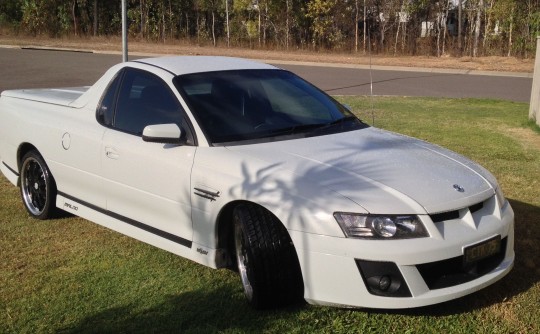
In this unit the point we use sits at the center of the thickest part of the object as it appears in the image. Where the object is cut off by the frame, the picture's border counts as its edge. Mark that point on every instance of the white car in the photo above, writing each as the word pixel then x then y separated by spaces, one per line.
pixel 237 164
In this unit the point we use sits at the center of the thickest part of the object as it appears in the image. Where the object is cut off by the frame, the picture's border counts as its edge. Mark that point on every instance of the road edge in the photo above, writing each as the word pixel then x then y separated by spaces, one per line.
pixel 299 63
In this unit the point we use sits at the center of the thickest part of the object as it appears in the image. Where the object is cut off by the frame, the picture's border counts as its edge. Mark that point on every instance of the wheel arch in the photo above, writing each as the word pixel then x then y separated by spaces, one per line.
pixel 225 235
pixel 21 151
pixel 225 231
pixel 261 249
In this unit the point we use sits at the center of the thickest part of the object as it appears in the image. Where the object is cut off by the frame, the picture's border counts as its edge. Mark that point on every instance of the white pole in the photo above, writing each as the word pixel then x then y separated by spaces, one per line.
pixel 534 107
pixel 124 32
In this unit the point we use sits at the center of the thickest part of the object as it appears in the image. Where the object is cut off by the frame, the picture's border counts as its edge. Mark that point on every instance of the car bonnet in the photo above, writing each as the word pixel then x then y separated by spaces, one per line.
pixel 383 172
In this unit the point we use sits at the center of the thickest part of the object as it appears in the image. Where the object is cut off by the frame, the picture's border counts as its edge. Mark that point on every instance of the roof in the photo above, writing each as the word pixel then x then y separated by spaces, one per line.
pixel 179 65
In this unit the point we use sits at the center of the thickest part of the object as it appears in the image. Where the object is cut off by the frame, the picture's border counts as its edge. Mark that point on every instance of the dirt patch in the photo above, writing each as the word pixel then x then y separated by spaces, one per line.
pixel 527 137
pixel 113 44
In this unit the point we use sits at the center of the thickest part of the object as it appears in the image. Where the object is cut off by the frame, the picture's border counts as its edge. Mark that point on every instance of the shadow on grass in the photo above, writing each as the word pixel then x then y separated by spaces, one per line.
pixel 61 214
pixel 218 309
pixel 200 311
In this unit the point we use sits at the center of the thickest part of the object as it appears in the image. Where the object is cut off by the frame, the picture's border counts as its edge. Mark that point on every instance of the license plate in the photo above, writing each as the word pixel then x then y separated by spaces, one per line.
pixel 482 250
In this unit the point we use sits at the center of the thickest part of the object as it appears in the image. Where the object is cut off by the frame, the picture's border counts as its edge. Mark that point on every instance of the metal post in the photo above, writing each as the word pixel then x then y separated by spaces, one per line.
pixel 124 32
pixel 534 107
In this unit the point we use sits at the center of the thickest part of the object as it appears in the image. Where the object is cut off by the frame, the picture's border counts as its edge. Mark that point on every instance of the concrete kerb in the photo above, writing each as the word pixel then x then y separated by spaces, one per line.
pixel 302 63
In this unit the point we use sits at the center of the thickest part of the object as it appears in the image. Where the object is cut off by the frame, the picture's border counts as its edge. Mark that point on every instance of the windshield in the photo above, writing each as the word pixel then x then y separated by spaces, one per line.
pixel 261 105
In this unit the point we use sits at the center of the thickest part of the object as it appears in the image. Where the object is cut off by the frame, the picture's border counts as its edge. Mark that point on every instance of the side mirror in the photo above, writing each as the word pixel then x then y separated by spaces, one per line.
pixel 163 133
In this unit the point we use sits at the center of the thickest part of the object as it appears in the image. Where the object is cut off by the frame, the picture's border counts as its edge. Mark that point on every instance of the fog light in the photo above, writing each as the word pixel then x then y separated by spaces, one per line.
pixel 383 278
pixel 384 283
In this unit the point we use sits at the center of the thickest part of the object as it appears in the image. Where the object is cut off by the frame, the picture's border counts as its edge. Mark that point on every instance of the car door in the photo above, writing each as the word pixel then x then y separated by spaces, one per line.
pixel 146 184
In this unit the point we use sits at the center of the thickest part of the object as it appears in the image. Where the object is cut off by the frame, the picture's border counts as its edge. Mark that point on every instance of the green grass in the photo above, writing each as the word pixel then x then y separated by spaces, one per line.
pixel 532 124
pixel 72 276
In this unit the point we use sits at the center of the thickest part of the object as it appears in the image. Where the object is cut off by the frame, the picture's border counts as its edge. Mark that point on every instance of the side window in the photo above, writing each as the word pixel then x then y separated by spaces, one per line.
pixel 144 99
pixel 105 110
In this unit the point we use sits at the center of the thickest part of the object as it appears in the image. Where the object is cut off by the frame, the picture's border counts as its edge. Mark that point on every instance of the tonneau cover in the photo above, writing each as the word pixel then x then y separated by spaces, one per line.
pixel 59 96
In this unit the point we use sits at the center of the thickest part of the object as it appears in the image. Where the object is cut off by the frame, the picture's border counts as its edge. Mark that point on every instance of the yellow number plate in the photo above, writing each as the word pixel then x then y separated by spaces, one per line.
pixel 482 250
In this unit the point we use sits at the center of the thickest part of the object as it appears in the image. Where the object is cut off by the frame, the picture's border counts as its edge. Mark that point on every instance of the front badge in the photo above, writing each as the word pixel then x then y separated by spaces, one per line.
pixel 459 188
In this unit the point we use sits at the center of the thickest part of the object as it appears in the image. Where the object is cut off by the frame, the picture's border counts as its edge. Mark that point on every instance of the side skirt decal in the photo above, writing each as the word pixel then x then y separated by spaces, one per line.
pixel 11 169
pixel 142 226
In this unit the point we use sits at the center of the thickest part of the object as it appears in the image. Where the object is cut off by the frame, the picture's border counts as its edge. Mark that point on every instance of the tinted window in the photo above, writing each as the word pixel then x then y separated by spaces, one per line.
pixel 246 105
pixel 105 110
pixel 144 99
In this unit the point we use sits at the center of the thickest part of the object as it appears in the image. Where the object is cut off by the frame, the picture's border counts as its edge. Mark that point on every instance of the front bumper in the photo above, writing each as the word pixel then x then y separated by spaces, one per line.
pixel 332 274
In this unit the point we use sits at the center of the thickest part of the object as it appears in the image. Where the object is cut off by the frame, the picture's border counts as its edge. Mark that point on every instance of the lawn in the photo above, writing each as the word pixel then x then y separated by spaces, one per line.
pixel 72 276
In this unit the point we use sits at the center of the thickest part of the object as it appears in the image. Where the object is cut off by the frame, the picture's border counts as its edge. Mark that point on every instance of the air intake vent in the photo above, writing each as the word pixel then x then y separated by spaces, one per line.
pixel 476 207
pixel 439 217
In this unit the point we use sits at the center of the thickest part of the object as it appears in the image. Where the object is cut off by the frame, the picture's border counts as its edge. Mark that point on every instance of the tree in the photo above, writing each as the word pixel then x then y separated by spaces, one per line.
pixel 319 13
pixel 504 27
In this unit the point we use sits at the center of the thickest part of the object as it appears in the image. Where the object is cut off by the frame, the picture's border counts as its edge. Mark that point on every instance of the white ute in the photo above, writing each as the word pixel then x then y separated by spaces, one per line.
pixel 237 164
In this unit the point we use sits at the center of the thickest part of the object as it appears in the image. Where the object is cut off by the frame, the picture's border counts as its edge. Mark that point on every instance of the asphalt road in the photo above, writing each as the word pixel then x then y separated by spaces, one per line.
pixel 24 68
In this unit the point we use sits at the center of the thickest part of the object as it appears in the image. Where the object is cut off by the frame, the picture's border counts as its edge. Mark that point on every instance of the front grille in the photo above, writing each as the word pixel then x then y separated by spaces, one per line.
pixel 439 217
pixel 450 215
pixel 476 207
pixel 451 272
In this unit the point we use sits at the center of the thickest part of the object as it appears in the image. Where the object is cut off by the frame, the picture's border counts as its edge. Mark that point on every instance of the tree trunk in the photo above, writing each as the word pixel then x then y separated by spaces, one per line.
pixel 460 46
pixel 172 25
pixel 74 14
pixel 259 32
pixel 141 4
pixel 445 31
pixel 287 28
pixel 488 25
pixel 397 37
pixel 163 23
pixel 265 25
pixel 227 22
pixel 510 32
pixel 214 28
pixel 401 10
pixel 365 27
pixel 198 28
pixel 440 19
pixel 187 25
pixel 95 25
pixel 356 27
pixel 382 26
pixel 477 27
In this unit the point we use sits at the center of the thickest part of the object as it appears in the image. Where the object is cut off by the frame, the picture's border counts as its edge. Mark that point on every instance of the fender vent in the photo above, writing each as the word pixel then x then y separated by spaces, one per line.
pixel 212 196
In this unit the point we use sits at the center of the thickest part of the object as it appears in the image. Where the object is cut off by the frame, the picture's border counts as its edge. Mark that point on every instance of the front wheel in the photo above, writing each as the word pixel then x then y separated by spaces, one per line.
pixel 266 259
pixel 38 189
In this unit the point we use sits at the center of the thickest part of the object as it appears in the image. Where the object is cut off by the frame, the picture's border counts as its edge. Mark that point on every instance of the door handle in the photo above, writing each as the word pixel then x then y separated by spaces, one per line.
pixel 111 153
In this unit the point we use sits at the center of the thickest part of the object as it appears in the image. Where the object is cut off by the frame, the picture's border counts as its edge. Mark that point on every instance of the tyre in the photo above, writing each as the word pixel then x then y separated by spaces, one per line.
pixel 266 259
pixel 38 189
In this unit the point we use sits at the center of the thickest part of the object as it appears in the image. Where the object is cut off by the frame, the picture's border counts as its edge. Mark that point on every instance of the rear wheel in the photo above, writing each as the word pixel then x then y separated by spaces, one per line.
pixel 266 259
pixel 38 190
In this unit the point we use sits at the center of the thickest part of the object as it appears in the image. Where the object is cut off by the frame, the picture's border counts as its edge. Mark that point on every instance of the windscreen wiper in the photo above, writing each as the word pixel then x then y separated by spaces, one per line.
pixel 297 129
pixel 339 121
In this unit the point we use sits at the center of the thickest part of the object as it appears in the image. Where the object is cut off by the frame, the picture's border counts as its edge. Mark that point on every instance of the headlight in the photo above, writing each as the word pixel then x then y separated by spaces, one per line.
pixel 380 227
pixel 500 196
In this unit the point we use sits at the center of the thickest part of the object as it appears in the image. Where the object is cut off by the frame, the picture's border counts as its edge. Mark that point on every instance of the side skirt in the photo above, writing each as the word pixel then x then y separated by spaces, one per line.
pixel 142 232
pixel 9 173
